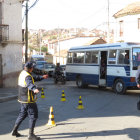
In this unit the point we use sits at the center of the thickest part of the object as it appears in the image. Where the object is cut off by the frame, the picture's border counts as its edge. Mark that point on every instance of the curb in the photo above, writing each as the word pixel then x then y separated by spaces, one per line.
pixel 8 98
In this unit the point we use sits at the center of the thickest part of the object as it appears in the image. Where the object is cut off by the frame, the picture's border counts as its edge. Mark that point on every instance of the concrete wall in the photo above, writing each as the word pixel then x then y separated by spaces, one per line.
pixel 12 51
pixel 12 15
pixel 62 61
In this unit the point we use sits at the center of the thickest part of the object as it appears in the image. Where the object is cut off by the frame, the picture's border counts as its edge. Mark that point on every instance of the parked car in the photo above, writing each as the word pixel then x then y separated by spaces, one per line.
pixel 39 67
pixel 49 69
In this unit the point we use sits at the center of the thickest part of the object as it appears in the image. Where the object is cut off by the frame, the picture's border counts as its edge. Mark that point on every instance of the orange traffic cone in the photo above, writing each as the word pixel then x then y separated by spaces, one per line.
pixel 42 94
pixel 80 105
pixel 51 121
pixel 63 99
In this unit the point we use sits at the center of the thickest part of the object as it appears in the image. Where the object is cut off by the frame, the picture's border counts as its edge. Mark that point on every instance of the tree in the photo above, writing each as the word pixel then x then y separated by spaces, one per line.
pixel 44 49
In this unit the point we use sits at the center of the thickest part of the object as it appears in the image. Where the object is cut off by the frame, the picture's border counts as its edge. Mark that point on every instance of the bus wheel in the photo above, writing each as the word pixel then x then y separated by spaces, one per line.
pixel 119 87
pixel 79 82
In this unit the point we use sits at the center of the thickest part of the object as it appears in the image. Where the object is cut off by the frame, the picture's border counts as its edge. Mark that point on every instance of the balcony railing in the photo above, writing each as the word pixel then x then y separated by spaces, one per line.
pixel 4 33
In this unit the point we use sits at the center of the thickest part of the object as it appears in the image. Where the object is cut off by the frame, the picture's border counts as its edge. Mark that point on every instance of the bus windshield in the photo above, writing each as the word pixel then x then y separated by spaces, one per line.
pixel 136 58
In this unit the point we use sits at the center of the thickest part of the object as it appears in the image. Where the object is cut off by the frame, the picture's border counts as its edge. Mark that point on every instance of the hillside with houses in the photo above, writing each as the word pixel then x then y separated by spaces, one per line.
pixel 49 42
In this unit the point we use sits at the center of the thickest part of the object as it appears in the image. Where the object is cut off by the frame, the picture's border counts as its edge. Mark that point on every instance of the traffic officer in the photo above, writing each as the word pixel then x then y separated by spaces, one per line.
pixel 27 98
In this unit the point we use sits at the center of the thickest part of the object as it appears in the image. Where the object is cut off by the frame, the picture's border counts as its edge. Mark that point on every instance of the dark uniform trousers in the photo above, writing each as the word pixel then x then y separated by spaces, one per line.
pixel 30 110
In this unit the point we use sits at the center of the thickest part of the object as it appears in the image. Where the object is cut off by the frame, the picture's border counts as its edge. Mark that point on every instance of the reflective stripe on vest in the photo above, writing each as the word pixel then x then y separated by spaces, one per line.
pixel 22 77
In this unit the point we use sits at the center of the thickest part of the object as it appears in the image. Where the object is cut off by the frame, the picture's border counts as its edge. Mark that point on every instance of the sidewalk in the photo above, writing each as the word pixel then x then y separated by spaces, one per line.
pixel 7 94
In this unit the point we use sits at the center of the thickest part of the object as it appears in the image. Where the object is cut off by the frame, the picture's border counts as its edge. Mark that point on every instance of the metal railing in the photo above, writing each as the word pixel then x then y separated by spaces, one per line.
pixel 4 33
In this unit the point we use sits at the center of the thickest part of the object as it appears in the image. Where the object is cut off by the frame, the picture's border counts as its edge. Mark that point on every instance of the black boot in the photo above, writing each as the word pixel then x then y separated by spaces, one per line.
pixel 15 132
pixel 32 136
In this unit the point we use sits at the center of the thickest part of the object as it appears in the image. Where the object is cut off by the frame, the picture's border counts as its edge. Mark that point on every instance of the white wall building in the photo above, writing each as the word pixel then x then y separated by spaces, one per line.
pixel 128 24
pixel 10 42
pixel 64 46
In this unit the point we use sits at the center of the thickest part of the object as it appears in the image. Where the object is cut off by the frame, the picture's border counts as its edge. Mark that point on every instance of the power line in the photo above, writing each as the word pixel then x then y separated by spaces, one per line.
pixel 33 4
pixel 29 8
pixel 97 12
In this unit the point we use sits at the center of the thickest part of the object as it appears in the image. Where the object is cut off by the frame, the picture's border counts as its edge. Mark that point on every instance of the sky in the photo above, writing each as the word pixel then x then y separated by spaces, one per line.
pixel 51 14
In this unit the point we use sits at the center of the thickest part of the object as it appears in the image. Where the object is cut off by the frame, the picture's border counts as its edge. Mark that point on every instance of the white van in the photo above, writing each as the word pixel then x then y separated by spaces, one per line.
pixel 37 57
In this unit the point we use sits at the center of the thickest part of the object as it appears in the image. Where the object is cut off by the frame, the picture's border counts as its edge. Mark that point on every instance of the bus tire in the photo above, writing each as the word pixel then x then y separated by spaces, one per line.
pixel 119 87
pixel 79 82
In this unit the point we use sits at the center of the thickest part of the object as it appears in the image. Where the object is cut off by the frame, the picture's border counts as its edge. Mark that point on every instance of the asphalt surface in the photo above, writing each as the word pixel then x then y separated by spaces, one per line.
pixel 106 116
pixel 7 94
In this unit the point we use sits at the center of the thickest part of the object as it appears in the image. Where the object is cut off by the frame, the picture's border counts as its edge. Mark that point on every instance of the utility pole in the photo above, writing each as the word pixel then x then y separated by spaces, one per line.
pixel 40 40
pixel 59 43
pixel 26 33
pixel 108 28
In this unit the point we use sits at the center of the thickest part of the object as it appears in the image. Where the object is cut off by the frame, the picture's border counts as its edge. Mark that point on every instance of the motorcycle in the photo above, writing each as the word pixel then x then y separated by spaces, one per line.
pixel 59 77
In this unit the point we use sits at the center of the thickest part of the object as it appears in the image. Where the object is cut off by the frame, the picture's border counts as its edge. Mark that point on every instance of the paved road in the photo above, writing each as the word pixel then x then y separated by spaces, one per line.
pixel 106 116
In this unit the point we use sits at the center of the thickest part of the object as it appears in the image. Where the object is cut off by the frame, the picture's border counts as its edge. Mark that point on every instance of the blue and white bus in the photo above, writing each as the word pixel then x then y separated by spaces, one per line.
pixel 108 65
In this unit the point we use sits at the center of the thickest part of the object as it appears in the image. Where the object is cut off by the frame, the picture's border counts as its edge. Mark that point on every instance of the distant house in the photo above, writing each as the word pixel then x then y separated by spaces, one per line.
pixel 61 59
pixel 10 42
pixel 65 45
pixel 128 24
pixel 96 40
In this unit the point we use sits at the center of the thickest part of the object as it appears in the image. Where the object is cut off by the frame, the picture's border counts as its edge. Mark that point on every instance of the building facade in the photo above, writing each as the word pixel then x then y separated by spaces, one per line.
pixel 128 24
pixel 10 42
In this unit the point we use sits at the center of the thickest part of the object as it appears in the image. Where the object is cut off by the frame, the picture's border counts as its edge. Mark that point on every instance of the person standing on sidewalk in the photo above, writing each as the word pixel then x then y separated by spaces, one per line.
pixel 27 98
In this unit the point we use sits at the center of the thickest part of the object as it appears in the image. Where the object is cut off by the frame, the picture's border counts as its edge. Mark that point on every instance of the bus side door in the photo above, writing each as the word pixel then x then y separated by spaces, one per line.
pixel 102 68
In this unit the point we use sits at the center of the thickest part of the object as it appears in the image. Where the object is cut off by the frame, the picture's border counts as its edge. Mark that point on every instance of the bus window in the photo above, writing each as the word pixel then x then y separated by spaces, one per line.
pixel 74 57
pixel 123 57
pixel 126 57
pixel 112 57
pixel 78 57
pixel 88 57
pixel 95 57
pixel 69 58
pixel 136 58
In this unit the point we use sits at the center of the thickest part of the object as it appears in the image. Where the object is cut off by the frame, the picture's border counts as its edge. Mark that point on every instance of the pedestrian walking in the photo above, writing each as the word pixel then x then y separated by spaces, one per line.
pixel 27 97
